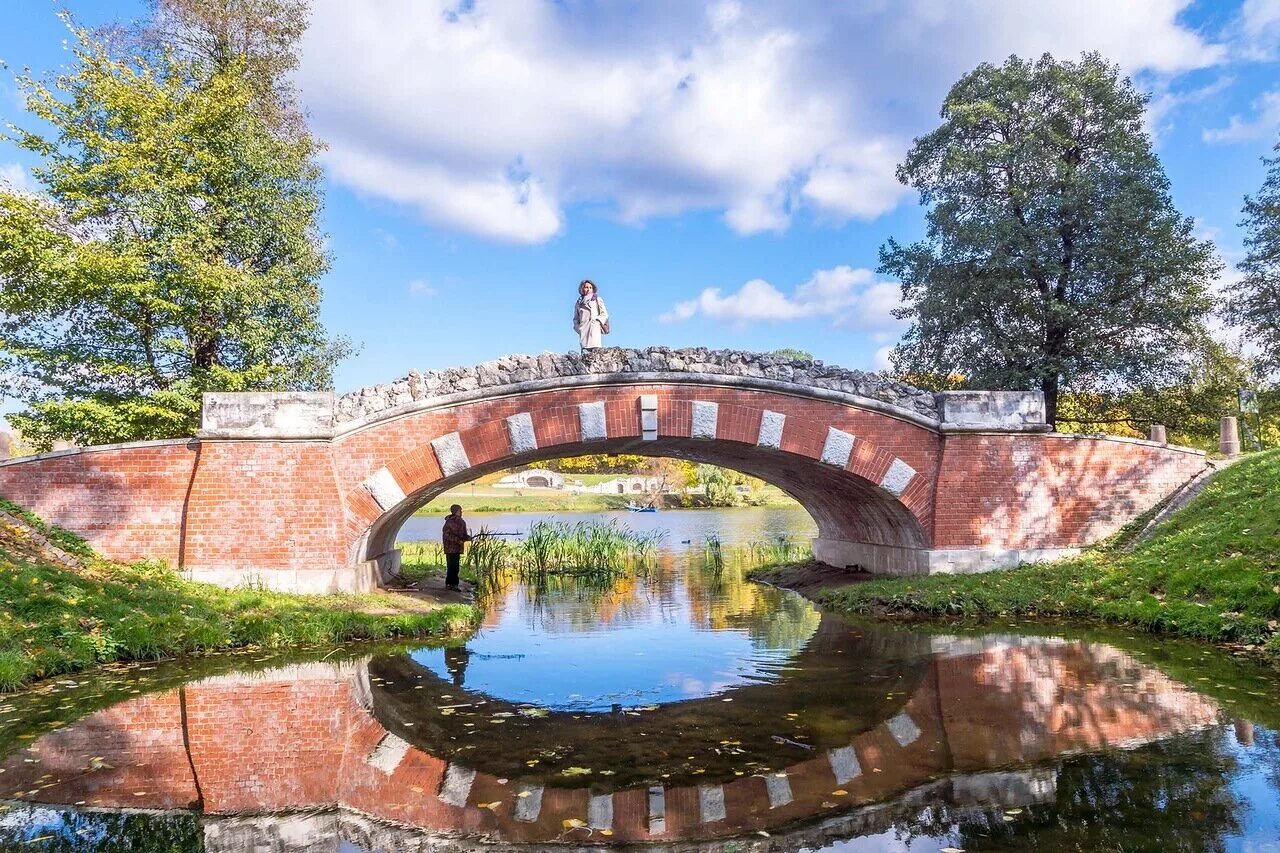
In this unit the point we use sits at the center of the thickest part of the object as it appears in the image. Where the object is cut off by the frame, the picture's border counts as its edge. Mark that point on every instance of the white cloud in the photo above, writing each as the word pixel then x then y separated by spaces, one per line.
pixel 880 361
pixel 492 118
pixel 848 297
pixel 1263 124
pixel 13 176
pixel 1259 26
pixel 421 287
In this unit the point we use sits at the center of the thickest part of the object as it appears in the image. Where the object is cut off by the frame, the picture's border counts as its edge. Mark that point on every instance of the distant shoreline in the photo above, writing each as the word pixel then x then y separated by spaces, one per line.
pixel 585 503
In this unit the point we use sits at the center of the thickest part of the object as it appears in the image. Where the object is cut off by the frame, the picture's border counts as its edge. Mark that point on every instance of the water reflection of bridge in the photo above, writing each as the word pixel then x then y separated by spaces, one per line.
pixel 981 725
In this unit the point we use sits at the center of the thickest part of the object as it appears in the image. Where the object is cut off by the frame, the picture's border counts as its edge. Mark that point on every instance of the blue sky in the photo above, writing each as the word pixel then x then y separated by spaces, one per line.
pixel 723 170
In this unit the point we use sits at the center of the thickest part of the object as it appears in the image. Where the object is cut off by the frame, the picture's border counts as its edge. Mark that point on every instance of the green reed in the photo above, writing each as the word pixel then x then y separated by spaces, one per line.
pixel 713 553
pixel 777 550
pixel 584 548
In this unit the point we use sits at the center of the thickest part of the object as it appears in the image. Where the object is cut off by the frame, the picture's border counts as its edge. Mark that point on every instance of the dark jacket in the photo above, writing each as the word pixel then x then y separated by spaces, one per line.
pixel 455 534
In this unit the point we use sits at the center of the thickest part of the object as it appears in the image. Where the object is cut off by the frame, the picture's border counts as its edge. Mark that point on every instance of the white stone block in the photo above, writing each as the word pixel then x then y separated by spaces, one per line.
pixel 520 431
pixel 705 417
pixel 844 764
pixel 456 787
pixel 778 787
pixel 600 811
pixel 711 803
pixel 591 419
pixel 904 729
pixel 838 448
pixel 771 430
pixel 528 803
pixel 649 417
pixel 268 414
pixel 657 810
pixel 897 478
pixel 450 453
pixel 388 754
pixel 384 489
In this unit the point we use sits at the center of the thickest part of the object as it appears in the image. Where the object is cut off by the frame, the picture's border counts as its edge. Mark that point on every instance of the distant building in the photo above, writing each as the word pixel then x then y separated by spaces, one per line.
pixel 533 478
pixel 628 486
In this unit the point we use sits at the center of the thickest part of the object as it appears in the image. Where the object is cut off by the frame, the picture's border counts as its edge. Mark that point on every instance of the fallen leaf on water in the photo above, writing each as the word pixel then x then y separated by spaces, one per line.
pixel 416 789
pixel 606 832
pixel 522 794
pixel 951 850
pixel 489 806
pixel 839 792
pixel 575 771
pixel 573 823
pixel 1013 811
pixel 827 804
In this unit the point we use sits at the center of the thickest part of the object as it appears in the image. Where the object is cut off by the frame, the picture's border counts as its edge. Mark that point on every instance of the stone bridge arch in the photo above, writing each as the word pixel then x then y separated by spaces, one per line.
pixel 305 491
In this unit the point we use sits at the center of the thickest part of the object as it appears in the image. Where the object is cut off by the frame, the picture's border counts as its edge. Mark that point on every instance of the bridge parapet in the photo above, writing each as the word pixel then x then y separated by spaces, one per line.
pixel 325 415
pixel 662 363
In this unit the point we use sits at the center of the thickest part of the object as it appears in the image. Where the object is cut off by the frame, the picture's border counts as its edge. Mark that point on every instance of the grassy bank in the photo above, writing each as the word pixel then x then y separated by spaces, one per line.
pixel 1211 572
pixel 64 609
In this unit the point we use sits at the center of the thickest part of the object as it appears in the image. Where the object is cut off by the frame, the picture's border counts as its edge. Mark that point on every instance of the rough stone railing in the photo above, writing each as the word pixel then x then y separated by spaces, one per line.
pixel 309 415
pixel 613 361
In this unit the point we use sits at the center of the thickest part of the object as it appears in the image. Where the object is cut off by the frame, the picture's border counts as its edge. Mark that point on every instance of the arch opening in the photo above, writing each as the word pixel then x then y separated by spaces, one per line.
pixel 843 505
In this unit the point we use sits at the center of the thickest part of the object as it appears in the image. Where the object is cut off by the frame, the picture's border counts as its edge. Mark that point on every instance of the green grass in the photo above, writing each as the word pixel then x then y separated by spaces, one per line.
pixel 1211 572
pixel 55 619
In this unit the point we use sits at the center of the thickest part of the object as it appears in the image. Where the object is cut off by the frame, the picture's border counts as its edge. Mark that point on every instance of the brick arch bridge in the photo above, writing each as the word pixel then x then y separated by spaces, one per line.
pixel 307 490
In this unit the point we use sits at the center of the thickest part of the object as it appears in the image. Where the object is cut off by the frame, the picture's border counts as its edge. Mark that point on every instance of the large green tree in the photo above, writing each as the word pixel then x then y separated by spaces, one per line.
pixel 1254 301
pixel 172 250
pixel 1054 256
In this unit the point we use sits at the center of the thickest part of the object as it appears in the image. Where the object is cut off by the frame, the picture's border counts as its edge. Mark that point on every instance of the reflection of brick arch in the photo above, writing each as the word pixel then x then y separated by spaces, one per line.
pixel 537 481
pixel 827 455
pixel 207 748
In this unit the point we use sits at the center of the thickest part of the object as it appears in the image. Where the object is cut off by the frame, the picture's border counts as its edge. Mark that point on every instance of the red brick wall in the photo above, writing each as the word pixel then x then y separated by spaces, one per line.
pixel 262 505
pixel 127 502
pixel 1049 491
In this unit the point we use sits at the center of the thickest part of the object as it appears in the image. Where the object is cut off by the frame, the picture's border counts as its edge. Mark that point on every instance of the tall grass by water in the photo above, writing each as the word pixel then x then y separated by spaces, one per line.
pixel 602 549
pixel 586 548
pixel 776 550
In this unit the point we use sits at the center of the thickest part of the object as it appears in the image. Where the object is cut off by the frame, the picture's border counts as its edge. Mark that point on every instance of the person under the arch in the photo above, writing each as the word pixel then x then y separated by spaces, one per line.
pixel 454 538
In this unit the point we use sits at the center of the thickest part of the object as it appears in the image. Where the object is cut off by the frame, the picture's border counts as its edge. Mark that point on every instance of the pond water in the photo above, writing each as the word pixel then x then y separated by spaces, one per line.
pixel 683 708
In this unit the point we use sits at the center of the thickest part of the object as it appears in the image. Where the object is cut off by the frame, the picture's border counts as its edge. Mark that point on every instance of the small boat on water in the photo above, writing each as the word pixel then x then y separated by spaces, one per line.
pixel 649 508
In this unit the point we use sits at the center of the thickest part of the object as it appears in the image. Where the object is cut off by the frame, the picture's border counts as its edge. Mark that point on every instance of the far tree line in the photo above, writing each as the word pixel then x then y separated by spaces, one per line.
pixel 173 247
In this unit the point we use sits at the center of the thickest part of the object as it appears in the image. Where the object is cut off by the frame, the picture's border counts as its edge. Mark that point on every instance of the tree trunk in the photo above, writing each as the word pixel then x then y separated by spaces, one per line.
pixel 1049 385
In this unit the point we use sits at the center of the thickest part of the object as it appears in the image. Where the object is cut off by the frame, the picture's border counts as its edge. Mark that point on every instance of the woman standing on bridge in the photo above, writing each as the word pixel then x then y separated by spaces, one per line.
pixel 590 317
